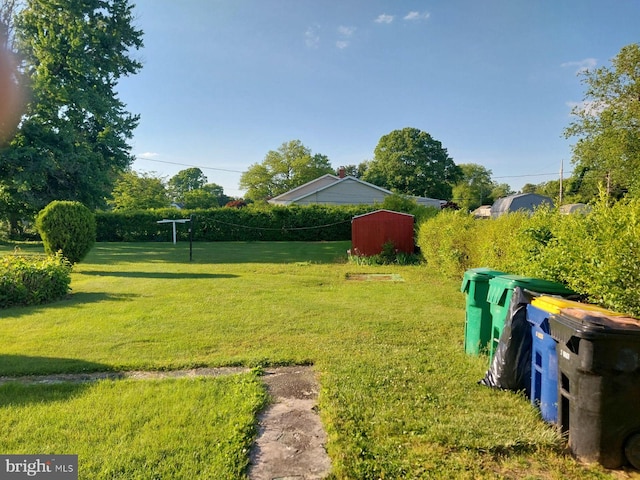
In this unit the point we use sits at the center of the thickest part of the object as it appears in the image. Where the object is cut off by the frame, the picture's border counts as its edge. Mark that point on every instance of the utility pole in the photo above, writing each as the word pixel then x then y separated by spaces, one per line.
pixel 561 174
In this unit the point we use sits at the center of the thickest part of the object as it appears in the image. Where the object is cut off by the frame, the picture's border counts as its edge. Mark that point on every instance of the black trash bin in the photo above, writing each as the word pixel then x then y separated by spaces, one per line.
pixel 599 385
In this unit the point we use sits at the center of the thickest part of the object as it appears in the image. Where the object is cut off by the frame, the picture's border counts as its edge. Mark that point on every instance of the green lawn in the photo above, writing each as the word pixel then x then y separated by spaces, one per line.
pixel 399 397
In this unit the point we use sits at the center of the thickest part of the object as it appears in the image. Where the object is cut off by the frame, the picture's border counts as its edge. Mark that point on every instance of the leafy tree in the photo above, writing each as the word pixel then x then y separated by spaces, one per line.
pixel 356 171
pixel 607 125
pixel 475 187
pixel 209 196
pixel 186 181
pixel 281 170
pixel 72 141
pixel 139 192
pixel 500 190
pixel 190 188
pixel 410 161
pixel 402 203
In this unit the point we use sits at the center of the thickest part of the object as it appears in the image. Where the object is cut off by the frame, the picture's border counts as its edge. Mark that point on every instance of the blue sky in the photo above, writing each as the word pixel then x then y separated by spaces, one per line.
pixel 225 81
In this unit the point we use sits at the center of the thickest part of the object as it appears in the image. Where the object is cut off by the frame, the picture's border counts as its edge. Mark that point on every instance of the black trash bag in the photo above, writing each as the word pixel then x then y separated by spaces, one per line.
pixel 510 368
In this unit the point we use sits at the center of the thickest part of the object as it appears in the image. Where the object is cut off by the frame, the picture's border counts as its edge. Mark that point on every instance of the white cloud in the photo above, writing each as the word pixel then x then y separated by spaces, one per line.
pixel 384 18
pixel 148 155
pixel 582 65
pixel 346 31
pixel 413 16
pixel 312 37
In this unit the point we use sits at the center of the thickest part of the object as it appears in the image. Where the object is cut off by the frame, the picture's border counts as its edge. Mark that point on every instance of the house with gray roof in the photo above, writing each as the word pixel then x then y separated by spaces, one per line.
pixel 341 190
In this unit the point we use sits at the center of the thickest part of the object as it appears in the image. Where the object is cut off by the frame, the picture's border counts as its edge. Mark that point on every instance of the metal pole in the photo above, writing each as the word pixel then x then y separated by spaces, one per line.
pixel 174 232
pixel 191 237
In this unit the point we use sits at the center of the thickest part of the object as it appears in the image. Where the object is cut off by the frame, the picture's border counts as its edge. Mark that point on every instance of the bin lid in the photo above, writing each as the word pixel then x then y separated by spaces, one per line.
pixel 478 274
pixel 591 323
pixel 498 286
pixel 557 304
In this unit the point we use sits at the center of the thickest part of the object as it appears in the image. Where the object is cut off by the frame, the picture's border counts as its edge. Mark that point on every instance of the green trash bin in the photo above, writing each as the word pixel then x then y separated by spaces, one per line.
pixel 499 297
pixel 477 325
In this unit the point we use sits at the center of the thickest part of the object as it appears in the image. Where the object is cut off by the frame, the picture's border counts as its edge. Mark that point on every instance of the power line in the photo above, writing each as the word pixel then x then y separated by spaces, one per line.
pixel 237 225
pixel 532 175
pixel 188 165
pixel 239 171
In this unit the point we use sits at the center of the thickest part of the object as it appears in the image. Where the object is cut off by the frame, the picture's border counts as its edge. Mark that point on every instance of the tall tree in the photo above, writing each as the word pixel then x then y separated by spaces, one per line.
pixel 412 162
pixel 500 190
pixel 356 170
pixel 134 191
pixel 210 195
pixel 72 142
pixel 186 181
pixel 475 187
pixel 607 125
pixel 281 170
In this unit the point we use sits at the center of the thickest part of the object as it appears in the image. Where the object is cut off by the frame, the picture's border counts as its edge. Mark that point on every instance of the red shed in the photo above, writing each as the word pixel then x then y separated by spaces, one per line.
pixel 369 232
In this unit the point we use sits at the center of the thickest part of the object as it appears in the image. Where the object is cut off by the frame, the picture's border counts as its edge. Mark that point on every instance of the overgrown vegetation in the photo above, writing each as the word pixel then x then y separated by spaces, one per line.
pixel 33 280
pixel 597 254
pixel 388 256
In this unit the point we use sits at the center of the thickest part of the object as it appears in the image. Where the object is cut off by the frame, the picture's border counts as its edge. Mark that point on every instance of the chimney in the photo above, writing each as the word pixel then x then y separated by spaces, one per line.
pixel 341 172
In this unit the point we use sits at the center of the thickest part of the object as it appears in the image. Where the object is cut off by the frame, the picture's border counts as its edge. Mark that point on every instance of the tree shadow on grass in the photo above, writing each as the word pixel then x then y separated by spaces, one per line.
pixel 29 380
pixel 220 252
pixel 68 300
pixel 164 275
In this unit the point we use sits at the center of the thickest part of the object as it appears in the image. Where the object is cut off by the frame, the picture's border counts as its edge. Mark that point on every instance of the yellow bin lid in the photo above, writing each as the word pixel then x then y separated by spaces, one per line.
pixel 557 304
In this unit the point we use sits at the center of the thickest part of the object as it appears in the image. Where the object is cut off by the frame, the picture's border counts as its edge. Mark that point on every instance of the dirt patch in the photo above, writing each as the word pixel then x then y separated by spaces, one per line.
pixel 375 277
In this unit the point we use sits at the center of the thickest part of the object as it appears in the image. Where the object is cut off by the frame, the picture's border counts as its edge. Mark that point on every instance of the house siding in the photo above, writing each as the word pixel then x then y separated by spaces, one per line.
pixel 347 192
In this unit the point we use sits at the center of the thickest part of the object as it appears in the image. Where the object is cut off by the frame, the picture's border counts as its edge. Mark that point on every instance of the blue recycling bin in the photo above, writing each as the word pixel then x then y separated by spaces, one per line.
pixel 544 365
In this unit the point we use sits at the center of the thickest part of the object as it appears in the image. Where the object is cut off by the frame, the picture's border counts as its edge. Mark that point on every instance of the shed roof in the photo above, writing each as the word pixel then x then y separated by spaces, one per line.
pixel 382 210
pixel 575 208
pixel 520 201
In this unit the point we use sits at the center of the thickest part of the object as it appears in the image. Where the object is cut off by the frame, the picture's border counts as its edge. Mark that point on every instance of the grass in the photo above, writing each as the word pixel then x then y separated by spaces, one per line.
pixel 131 429
pixel 399 397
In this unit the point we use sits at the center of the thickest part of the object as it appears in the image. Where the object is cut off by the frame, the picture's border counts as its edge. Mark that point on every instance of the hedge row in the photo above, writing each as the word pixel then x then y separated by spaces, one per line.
pixel 268 223
pixel 33 280
pixel 597 255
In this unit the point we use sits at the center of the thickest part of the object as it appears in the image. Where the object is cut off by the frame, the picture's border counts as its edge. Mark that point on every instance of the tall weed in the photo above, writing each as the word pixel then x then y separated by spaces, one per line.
pixel 596 254
pixel 446 242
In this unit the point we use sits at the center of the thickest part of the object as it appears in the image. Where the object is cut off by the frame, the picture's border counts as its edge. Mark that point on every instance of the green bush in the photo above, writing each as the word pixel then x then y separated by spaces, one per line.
pixel 69 227
pixel 598 254
pixel 404 204
pixel 595 254
pixel 252 223
pixel 33 280
pixel 445 242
